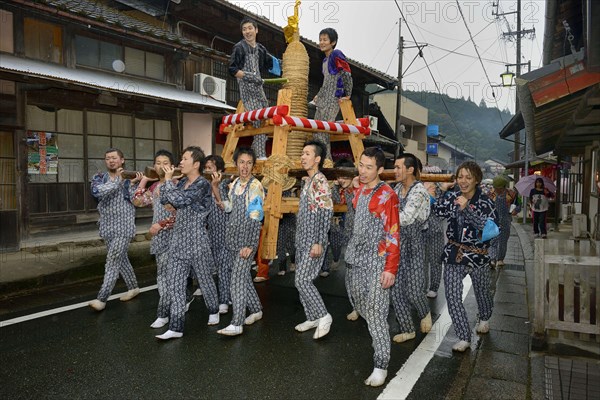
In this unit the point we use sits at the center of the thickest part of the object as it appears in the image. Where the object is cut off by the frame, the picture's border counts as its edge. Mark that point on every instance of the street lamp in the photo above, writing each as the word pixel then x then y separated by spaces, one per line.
pixel 507 78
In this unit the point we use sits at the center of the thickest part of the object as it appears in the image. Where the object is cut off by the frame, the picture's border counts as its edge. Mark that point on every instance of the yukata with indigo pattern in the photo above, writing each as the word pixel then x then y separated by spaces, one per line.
pixel 372 250
pixel 341 224
pixel 159 246
pixel 189 248
pixel 252 61
pixel 217 232
pixel 502 202
pixel 337 83
pixel 244 205
pixel 117 228
pixel 286 236
pixel 312 224
pixel 464 254
pixel 408 291
pixel 435 239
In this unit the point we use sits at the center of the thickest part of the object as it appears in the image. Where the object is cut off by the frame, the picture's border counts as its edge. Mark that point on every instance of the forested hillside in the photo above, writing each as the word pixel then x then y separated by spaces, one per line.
pixel 479 125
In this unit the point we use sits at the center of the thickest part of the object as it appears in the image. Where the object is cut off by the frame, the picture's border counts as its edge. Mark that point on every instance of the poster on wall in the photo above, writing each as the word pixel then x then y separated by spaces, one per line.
pixel 42 153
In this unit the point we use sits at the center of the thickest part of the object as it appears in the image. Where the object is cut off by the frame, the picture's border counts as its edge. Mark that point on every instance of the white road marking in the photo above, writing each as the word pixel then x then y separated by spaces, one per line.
pixel 406 378
pixel 58 310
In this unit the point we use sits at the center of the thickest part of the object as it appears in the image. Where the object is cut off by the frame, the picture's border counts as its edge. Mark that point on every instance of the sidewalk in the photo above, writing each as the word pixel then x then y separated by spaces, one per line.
pixel 505 366
pixel 55 259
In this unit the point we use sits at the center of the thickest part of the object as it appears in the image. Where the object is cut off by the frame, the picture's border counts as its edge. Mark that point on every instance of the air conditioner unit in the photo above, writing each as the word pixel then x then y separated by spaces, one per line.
pixel 208 85
pixel 579 225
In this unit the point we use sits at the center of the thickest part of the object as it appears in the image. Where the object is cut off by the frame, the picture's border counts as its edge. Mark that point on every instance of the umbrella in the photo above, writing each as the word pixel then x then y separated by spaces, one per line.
pixel 527 183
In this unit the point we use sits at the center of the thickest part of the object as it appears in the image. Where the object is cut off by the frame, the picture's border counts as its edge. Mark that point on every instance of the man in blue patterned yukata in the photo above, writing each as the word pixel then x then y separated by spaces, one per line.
pixel 217 231
pixel 243 202
pixel 467 211
pixel 414 208
pixel 314 213
pixel 248 59
pixel 190 247
pixel 161 230
pixel 117 226
pixel 372 255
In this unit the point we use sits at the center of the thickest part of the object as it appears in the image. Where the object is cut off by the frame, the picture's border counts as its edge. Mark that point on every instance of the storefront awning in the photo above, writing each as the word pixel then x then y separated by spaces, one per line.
pixel 109 82
pixel 557 104
pixel 513 126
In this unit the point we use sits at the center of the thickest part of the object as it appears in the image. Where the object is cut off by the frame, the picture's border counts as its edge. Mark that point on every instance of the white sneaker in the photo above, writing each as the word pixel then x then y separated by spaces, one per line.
pixel 377 377
pixel 198 292
pixel 353 316
pixel 231 330
pixel 169 335
pixel 252 318
pixel 404 337
pixel 97 305
pixel 213 319
pixel 483 327
pixel 223 308
pixel 431 294
pixel 281 273
pixel 324 274
pixel 130 294
pixel 259 279
pixel 292 267
pixel 323 327
pixel 159 323
pixel 426 323
pixel 306 325
pixel 461 346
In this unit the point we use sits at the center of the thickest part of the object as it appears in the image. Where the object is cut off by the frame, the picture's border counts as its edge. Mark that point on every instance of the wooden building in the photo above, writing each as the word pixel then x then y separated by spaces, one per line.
pixel 80 76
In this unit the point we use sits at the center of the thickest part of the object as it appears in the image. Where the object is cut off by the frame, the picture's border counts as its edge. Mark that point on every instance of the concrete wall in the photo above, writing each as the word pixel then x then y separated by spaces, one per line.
pixel 410 110
pixel 198 131
pixel 412 146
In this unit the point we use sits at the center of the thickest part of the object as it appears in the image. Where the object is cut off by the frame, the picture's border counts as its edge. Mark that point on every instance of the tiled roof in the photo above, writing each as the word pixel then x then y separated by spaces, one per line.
pixel 102 13
pixel 105 81
pixel 97 11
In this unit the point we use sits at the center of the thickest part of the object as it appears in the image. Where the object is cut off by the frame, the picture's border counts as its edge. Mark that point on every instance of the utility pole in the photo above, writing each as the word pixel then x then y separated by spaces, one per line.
pixel 399 89
pixel 518 34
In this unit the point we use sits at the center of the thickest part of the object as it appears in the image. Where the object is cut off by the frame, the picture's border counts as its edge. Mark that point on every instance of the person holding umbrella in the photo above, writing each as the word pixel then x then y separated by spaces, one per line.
pixel 539 197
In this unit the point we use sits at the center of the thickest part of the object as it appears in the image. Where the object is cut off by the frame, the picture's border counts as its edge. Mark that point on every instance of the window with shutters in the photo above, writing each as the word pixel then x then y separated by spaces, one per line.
pixel 43 40
pixel 94 53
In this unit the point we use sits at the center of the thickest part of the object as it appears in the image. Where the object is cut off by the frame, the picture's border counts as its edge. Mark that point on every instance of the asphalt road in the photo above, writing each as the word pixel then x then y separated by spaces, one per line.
pixel 114 354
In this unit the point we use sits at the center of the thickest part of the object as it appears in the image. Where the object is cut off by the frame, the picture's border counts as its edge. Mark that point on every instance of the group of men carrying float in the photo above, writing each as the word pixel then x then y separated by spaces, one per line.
pixel 201 227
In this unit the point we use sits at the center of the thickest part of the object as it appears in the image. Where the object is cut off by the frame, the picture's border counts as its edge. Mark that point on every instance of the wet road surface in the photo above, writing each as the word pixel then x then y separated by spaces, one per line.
pixel 114 354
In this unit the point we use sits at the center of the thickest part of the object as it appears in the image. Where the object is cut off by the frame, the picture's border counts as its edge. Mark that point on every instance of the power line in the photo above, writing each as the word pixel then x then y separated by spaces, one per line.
pixel 456 48
pixel 390 64
pixel 432 77
pixel 499 62
pixel 480 60
pixel 383 43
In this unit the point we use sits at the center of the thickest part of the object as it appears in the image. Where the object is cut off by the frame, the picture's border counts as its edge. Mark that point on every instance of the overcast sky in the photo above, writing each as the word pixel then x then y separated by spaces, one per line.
pixel 368 32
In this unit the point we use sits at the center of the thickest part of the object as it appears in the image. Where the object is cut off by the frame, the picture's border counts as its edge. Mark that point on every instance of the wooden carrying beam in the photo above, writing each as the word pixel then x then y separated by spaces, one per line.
pixel 387 175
